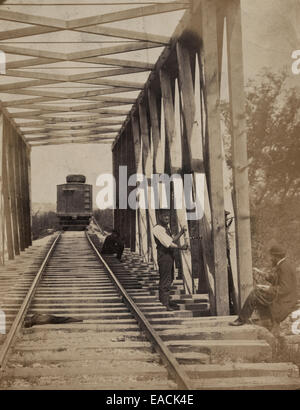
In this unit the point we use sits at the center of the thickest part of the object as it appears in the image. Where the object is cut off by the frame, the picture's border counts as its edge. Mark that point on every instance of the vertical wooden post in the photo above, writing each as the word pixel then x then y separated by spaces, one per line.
pixel 6 199
pixel 29 205
pixel 138 169
pixel 212 94
pixel 239 147
pixel 157 153
pixel 2 222
pixel 25 195
pixel 118 216
pixel 190 90
pixel 125 212
pixel 146 163
pixel 116 192
pixel 122 159
pixel 12 188
pixel 22 192
pixel 131 171
pixel 18 192
pixel 174 144
pixel 158 164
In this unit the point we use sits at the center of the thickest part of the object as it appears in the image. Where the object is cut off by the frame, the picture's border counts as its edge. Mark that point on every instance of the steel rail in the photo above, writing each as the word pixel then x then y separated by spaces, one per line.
pixel 18 321
pixel 166 355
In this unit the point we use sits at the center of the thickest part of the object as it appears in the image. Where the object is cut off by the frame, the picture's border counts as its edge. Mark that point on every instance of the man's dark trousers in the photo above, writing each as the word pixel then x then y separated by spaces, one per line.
pixel 255 302
pixel 166 275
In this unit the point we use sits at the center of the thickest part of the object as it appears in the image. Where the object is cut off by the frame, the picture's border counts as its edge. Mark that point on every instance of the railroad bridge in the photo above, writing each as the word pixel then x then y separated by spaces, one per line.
pixel 154 96
pixel 147 78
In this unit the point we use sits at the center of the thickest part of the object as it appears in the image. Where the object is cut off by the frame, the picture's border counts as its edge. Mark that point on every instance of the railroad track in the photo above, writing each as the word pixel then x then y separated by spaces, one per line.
pixel 106 350
pixel 126 339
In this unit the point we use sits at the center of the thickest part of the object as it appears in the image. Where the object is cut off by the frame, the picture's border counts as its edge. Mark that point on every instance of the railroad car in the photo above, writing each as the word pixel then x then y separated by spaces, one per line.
pixel 74 203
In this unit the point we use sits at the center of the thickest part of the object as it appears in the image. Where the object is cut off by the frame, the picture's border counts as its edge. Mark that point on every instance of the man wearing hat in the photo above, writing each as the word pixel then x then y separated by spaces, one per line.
pixel 279 299
pixel 166 244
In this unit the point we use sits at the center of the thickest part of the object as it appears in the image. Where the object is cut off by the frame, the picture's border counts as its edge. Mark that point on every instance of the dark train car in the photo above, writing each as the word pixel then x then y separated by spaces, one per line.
pixel 74 203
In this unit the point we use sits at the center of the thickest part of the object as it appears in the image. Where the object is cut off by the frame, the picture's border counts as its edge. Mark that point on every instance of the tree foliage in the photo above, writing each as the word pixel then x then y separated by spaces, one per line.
pixel 104 218
pixel 273 131
pixel 273 134
pixel 273 127
pixel 44 223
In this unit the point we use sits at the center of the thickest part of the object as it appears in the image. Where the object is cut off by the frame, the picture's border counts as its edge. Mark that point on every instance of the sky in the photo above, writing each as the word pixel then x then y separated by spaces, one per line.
pixel 271 32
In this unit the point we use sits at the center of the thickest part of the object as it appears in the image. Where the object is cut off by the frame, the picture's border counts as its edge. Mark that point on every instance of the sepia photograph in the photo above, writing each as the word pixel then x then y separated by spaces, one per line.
pixel 149 198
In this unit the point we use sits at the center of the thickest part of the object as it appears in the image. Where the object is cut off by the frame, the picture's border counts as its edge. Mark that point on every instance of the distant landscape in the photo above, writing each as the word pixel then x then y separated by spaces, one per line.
pixel 45 221
pixel 40 207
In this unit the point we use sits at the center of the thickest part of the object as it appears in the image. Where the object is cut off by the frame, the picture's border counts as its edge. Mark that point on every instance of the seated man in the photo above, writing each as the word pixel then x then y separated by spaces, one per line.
pixel 279 299
pixel 113 244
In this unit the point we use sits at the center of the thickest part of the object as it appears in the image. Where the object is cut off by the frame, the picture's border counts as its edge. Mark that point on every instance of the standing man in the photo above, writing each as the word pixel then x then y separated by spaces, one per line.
pixel 166 244
pixel 280 298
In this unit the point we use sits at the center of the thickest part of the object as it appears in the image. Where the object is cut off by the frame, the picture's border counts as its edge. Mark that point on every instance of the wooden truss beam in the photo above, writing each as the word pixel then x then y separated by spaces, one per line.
pixel 128 34
pixel 74 77
pixel 93 60
pixel 67 108
pixel 104 134
pixel 32 19
pixel 117 62
pixel 183 24
pixel 78 118
pixel 72 96
pixel 78 55
pixel 128 14
pixel 74 141
pixel 26 31
pixel 51 125
pixel 91 21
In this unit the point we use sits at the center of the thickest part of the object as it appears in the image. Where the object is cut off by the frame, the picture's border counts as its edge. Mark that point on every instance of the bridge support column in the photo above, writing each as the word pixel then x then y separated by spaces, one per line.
pixel 11 147
pixel 147 155
pixel 15 202
pixel 239 148
pixel 210 53
pixel 176 129
pixel 134 129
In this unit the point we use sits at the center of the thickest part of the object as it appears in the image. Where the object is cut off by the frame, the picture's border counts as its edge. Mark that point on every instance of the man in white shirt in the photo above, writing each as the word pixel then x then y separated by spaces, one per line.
pixel 166 244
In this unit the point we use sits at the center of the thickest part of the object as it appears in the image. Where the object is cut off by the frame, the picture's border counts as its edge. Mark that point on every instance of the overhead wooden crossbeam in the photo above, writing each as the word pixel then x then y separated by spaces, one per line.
pixel 74 95
pixel 181 27
pixel 52 131
pixel 85 107
pixel 34 83
pixel 94 20
pixel 94 60
pixel 95 85
pixel 128 34
pixel 74 141
pixel 104 139
pixel 57 137
pixel 58 120
pixel 74 77
pixel 92 124
pixel 63 134
pixel 38 113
